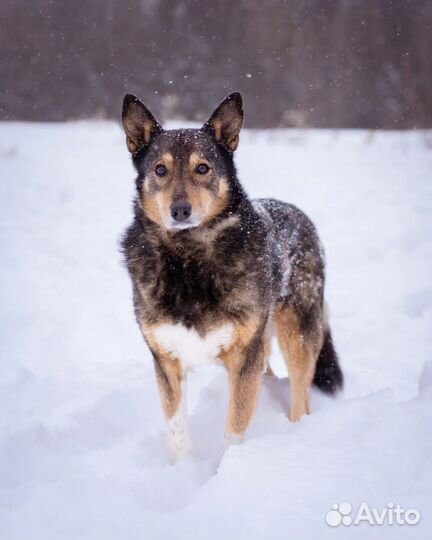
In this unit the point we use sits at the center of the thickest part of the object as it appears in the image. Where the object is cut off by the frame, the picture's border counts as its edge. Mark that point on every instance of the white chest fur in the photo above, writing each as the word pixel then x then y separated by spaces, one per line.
pixel 189 347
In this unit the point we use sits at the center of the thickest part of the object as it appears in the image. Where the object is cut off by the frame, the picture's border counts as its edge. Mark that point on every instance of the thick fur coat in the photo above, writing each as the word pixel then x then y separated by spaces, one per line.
pixel 215 273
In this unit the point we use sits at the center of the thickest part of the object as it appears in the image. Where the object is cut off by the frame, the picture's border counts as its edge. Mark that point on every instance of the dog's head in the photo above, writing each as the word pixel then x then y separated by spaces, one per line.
pixel 184 176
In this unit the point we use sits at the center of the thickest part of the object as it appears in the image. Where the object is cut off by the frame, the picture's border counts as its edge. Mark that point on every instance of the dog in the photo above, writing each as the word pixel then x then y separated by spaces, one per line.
pixel 214 272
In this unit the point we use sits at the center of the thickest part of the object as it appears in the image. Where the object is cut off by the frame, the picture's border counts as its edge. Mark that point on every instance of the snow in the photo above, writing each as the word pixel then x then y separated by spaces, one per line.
pixel 83 451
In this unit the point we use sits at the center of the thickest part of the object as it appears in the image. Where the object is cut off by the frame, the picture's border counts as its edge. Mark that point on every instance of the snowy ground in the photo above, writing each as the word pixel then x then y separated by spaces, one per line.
pixel 82 447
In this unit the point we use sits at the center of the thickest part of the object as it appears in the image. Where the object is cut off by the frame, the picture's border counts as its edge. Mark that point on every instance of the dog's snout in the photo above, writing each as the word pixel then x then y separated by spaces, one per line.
pixel 181 210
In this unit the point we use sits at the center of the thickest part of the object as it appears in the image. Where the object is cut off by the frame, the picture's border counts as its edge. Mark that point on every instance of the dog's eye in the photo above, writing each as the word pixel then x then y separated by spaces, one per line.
pixel 202 168
pixel 161 170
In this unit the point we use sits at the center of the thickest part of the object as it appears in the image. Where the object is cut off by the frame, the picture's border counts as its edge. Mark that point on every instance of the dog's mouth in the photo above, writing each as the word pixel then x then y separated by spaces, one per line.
pixel 173 225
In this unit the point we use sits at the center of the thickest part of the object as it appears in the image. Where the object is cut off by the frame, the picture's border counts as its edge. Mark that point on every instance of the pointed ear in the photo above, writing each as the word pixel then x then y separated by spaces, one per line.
pixel 225 123
pixel 138 122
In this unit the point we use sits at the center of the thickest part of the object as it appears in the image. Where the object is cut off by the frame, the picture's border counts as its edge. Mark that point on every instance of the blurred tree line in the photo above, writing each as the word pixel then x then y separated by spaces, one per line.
pixel 324 63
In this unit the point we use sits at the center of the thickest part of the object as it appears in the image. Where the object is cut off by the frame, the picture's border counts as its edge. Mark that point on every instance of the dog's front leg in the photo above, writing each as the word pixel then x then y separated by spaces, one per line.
pixel 245 364
pixel 172 389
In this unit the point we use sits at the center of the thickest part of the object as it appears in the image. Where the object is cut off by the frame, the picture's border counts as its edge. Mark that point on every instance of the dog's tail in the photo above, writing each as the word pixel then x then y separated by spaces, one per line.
pixel 328 374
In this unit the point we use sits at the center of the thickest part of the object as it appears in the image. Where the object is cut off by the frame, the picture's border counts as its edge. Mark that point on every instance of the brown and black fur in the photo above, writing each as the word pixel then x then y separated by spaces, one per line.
pixel 255 264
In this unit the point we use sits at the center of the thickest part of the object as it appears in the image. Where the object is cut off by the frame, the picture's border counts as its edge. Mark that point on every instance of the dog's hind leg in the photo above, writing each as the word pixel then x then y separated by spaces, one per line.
pixel 300 351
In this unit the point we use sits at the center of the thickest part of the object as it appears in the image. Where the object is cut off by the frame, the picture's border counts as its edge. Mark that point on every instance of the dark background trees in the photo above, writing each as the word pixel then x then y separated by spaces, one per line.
pixel 324 63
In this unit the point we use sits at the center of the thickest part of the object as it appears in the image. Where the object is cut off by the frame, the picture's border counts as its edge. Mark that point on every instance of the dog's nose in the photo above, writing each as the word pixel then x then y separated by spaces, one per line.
pixel 181 210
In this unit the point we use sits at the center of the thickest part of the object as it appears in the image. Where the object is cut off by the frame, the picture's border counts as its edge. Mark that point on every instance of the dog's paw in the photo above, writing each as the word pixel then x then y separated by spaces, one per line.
pixel 180 453
pixel 178 435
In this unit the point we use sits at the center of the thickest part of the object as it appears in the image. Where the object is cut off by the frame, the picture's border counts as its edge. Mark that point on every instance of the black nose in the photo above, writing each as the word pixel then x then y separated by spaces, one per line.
pixel 181 210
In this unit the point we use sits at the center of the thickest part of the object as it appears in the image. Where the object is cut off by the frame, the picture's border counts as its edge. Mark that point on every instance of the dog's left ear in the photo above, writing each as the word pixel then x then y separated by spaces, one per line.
pixel 225 123
pixel 138 122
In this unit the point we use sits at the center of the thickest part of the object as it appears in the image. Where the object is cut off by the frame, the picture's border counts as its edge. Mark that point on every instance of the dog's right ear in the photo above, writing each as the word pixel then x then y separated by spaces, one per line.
pixel 138 122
